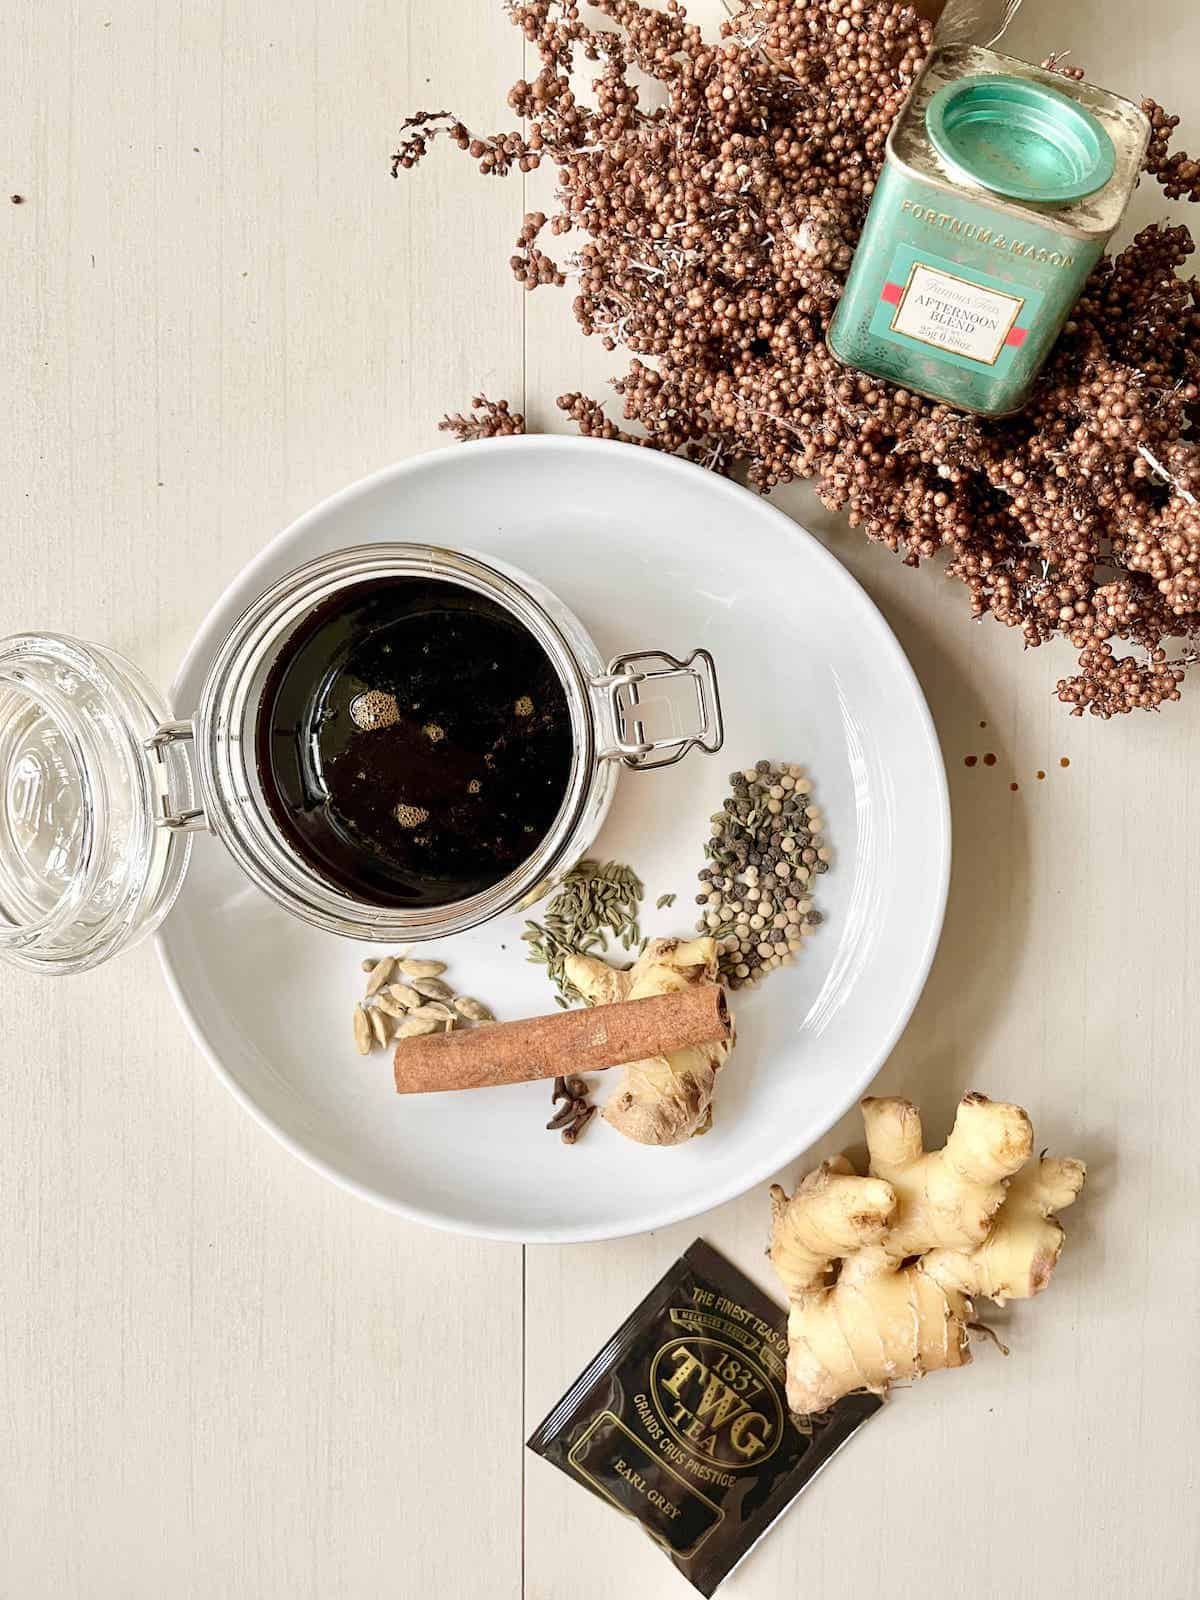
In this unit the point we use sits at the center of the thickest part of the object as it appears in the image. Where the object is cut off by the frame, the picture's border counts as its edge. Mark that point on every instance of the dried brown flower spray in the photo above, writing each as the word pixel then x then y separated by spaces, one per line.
pixel 717 230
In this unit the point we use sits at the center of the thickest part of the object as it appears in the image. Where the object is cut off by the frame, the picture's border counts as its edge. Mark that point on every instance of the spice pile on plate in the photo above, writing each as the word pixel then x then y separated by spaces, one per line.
pixel 766 849
pixel 717 229
pixel 595 900
pixel 407 997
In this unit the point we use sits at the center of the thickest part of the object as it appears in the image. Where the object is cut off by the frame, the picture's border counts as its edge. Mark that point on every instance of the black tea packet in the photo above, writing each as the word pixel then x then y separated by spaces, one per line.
pixel 681 1420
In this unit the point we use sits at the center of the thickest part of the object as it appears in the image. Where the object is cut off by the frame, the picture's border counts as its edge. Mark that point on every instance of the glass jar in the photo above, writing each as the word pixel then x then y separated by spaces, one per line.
pixel 102 789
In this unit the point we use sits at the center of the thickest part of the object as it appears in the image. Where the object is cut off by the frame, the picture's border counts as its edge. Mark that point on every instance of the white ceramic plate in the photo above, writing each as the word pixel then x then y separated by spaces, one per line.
pixel 651 553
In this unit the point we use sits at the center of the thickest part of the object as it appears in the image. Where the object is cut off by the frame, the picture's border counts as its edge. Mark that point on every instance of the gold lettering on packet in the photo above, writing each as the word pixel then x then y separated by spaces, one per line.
pixel 683 1523
pixel 701 1321
pixel 655 1496
pixel 981 235
pixel 716 1402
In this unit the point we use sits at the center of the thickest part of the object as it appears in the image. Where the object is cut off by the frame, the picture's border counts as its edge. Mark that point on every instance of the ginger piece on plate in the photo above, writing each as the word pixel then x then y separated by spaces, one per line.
pixel 666 1099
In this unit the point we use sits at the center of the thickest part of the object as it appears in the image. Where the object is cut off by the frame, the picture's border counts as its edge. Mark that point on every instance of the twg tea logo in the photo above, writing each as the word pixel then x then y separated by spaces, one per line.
pixel 716 1401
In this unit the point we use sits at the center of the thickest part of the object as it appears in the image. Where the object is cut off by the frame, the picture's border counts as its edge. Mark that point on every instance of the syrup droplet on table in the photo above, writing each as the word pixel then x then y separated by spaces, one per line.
pixel 989 760
pixel 970 761
pixel 1064 761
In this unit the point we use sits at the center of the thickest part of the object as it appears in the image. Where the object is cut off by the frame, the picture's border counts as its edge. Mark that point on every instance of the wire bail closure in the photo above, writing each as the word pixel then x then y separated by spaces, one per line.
pixel 166 735
pixel 623 686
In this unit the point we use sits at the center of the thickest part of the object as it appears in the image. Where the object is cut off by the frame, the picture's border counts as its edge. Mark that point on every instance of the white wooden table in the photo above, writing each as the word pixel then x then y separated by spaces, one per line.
pixel 219 1375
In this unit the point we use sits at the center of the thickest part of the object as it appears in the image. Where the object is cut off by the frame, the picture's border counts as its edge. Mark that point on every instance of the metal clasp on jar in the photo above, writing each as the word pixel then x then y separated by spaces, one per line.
pixel 160 744
pixel 628 692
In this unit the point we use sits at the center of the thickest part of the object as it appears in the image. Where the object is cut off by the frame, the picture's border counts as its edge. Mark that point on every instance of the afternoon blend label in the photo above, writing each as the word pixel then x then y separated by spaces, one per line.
pixel 954 314
pixel 926 304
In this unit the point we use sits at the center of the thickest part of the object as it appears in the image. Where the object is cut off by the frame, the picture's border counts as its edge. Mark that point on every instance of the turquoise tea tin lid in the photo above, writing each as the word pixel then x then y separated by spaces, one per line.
pixel 1019 138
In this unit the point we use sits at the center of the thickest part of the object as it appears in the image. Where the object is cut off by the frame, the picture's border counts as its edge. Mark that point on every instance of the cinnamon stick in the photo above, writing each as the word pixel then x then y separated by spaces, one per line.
pixel 567 1041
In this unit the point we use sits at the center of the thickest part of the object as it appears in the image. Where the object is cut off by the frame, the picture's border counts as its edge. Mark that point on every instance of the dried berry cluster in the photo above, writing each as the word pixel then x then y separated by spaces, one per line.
pixel 719 224
pixel 489 419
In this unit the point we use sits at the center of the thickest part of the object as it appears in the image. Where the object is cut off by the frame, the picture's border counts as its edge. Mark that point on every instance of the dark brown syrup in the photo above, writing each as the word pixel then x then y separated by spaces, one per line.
pixel 414 742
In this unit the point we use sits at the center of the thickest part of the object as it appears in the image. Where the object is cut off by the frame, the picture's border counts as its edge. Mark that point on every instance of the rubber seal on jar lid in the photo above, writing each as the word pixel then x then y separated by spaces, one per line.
pixel 86 869
pixel 1020 139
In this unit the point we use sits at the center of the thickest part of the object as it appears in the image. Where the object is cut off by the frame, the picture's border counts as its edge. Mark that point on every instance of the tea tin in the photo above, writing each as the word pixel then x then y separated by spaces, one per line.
pixel 1001 185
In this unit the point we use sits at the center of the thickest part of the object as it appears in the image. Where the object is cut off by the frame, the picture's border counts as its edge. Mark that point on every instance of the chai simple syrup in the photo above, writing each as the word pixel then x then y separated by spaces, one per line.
pixel 414 742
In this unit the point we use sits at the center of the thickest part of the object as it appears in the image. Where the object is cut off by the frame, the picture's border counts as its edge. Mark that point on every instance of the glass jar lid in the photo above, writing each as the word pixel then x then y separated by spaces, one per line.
pixel 86 868
pixel 1020 139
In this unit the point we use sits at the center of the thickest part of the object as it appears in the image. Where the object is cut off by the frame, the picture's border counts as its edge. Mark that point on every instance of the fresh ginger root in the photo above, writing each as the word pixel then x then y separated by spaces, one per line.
pixel 977 1216
pixel 1022 1248
pixel 665 1099
pixel 945 1197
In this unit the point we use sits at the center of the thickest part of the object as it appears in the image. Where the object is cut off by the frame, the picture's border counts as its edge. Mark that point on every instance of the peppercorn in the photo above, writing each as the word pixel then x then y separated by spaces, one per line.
pixel 747 904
